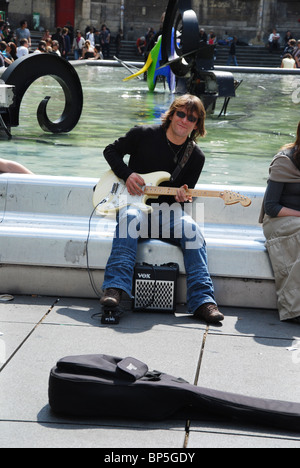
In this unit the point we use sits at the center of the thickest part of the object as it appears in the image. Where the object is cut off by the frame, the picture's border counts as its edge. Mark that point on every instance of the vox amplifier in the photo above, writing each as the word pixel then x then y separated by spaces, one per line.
pixel 154 287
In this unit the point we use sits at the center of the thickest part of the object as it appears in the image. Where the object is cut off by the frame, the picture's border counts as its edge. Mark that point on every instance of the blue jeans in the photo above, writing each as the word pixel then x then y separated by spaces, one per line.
pixel 232 58
pixel 177 228
pixel 77 54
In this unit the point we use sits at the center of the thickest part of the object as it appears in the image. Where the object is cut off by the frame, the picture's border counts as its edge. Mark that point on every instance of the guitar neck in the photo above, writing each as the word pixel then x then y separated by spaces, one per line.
pixel 158 190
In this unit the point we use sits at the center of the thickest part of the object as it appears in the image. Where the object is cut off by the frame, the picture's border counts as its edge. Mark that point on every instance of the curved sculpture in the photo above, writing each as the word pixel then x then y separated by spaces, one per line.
pixel 175 50
pixel 192 61
pixel 24 71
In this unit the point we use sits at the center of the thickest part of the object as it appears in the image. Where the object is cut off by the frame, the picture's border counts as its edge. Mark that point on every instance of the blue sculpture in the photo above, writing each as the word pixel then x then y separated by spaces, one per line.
pixel 193 62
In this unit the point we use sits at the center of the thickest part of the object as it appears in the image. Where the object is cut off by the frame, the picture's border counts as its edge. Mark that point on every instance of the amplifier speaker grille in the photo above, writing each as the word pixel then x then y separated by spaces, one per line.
pixel 155 287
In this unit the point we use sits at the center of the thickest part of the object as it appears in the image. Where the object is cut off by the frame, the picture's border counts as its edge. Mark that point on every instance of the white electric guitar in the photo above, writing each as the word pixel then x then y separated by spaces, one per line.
pixel 111 193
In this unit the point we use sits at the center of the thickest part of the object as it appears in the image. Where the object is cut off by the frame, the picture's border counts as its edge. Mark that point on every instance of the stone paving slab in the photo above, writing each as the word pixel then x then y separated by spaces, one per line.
pixel 69 328
pixel 257 323
pixel 260 368
pixel 45 435
pixel 251 354
pixel 18 318
pixel 248 354
pixel 86 312
pixel 226 436
pixel 33 362
pixel 25 309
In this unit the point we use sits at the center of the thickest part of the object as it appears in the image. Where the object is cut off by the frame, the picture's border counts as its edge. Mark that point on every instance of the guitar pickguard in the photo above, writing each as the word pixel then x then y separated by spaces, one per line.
pixel 111 193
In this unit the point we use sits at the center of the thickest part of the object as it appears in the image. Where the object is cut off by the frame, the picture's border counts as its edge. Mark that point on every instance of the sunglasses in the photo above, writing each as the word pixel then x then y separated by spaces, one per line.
pixel 191 118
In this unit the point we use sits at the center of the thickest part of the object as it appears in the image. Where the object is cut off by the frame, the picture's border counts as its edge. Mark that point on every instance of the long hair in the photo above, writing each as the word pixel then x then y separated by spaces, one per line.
pixel 192 104
pixel 295 146
pixel 13 50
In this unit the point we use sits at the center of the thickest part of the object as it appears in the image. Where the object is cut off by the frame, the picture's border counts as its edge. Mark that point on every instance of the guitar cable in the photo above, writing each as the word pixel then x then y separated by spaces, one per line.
pixel 108 317
pixel 113 190
pixel 88 238
pixel 87 250
pixel 94 287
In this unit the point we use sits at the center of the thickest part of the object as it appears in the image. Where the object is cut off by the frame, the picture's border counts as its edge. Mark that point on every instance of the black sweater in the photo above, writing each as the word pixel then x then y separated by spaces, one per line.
pixel 279 195
pixel 282 194
pixel 149 151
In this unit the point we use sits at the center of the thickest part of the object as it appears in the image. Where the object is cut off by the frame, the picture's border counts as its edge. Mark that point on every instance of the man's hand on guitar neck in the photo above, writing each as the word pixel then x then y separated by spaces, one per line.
pixel 182 195
pixel 134 184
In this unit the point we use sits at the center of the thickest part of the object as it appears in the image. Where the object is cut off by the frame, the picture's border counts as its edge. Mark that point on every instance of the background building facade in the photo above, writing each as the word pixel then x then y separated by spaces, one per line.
pixel 247 19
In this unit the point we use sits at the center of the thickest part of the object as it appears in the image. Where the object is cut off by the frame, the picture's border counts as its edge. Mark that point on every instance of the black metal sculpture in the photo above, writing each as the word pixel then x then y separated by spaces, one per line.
pixel 24 71
pixel 193 63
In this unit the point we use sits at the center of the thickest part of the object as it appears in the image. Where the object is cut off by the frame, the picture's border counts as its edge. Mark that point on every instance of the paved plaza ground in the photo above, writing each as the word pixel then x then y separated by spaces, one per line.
pixel 251 353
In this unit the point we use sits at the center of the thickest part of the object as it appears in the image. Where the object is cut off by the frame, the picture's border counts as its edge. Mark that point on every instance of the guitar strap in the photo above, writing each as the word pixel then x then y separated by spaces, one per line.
pixel 183 160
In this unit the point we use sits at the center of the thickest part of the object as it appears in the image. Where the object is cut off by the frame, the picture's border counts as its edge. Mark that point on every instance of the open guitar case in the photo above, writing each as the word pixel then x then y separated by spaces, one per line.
pixel 111 387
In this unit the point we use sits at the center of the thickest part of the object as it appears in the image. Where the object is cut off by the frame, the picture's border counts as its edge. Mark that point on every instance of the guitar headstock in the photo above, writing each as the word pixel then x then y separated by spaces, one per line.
pixel 231 198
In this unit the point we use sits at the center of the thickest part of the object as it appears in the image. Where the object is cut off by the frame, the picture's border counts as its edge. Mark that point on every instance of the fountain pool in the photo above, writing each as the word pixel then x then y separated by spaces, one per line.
pixel 238 147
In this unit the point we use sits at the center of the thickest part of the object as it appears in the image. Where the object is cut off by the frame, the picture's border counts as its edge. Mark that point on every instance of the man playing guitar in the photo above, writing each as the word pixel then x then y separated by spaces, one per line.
pixel 168 147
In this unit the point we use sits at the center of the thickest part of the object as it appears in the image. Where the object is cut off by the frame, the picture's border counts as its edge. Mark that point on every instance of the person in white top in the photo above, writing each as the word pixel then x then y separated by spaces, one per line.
pixel 23 48
pixel 41 48
pixel 273 41
pixel 90 37
pixel 55 48
pixel 77 45
pixel 288 61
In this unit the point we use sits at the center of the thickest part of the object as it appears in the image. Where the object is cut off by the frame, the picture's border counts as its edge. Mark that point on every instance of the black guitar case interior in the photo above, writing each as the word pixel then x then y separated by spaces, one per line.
pixel 112 387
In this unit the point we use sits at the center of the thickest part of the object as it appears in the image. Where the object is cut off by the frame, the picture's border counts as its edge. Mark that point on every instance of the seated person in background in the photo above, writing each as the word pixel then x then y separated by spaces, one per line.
pixel 41 48
pixel 202 36
pixel 161 148
pixel 273 41
pixel 288 36
pixel 141 45
pixel 296 54
pixel 13 167
pixel 280 216
pixel 288 61
pixel 48 45
pixel 55 48
pixel 7 60
pixel 291 47
pixel 87 51
pixel 212 38
pixel 11 50
pixel 98 53
pixel 23 48
pixel 46 35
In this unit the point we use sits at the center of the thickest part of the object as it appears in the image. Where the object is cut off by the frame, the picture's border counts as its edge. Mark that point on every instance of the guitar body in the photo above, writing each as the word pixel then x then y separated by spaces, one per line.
pixel 111 193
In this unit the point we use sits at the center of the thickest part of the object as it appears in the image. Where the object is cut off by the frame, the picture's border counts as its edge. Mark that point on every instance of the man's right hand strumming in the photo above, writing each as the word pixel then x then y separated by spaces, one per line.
pixel 134 184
